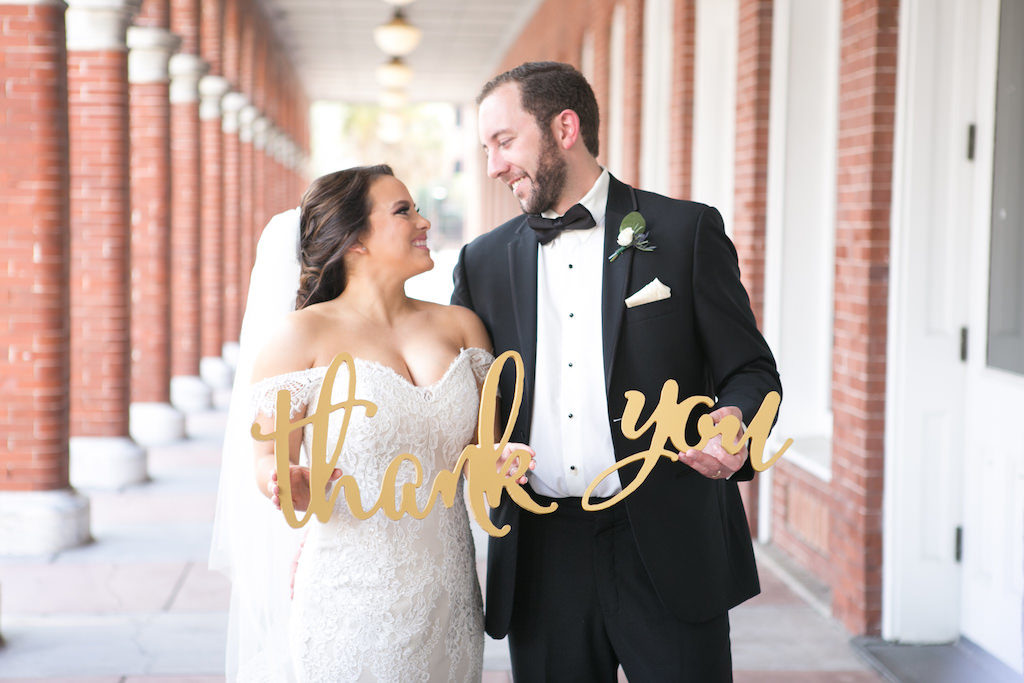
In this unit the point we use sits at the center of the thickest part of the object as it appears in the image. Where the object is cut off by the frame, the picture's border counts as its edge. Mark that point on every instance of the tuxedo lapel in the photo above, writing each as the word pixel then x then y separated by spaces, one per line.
pixel 522 270
pixel 616 273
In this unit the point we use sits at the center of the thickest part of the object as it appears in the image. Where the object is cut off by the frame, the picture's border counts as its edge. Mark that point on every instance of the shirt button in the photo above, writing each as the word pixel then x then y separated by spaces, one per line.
pixel 570 365
pixel 572 315
pixel 570 416
pixel 570 266
pixel 572 467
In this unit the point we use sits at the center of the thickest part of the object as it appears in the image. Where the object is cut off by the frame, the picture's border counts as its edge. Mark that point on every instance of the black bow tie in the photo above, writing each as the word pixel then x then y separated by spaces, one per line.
pixel 547 229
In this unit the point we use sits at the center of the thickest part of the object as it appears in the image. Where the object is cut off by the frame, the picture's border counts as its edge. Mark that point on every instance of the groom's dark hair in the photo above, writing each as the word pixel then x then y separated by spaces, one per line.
pixel 547 88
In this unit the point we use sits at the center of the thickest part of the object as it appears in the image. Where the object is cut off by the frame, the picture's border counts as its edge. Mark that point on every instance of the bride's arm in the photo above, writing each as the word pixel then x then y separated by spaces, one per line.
pixel 287 351
pixel 474 335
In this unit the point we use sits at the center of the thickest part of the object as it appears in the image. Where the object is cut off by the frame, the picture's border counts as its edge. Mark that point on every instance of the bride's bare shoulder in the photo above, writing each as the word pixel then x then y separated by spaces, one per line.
pixel 463 322
pixel 291 345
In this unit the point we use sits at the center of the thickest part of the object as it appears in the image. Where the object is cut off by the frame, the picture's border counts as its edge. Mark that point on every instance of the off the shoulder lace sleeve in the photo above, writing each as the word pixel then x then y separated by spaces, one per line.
pixel 480 361
pixel 301 385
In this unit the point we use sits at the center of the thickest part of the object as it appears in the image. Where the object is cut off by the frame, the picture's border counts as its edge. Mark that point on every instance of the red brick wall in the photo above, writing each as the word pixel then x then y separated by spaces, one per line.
pixel 633 85
pixel 185 220
pixel 154 13
pixel 150 117
pixel 212 239
pixel 867 100
pixel 684 17
pixel 34 253
pixel 211 34
pixel 185 18
pixel 247 245
pixel 753 94
pixel 835 530
pixel 232 42
pixel 232 218
pixel 100 242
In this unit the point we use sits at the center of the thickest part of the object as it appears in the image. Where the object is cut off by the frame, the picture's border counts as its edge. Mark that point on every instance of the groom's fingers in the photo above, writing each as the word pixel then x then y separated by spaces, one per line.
pixel 714 462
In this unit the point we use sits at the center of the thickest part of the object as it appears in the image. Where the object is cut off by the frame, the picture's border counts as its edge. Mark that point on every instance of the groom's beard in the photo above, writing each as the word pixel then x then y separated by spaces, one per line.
pixel 548 181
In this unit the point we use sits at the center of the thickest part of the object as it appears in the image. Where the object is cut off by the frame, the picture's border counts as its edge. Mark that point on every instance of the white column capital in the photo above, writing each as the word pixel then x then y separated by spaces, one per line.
pixel 211 90
pixel 149 52
pixel 259 132
pixel 186 70
pixel 99 24
pixel 246 117
pixel 231 105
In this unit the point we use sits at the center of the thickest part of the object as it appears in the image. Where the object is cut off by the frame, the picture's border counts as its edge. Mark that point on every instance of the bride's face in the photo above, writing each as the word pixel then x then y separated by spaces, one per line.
pixel 397 238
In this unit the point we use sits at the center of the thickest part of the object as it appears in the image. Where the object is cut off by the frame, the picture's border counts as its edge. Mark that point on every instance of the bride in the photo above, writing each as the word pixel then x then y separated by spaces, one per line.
pixel 377 599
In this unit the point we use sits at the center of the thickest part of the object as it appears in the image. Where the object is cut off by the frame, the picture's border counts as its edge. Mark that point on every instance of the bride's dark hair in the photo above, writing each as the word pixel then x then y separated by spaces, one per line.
pixel 335 214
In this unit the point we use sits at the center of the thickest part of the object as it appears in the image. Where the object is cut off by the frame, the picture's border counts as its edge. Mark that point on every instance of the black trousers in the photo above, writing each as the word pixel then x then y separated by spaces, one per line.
pixel 584 605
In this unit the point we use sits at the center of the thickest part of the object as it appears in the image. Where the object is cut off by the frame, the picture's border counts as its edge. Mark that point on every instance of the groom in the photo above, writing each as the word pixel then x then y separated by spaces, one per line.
pixel 646 583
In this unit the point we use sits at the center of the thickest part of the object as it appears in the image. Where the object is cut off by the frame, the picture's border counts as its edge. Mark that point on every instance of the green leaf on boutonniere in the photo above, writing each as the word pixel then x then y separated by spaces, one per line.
pixel 634 221
pixel 632 234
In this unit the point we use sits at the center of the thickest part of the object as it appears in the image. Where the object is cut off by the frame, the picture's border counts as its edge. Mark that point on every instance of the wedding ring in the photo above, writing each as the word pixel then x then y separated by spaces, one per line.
pixel 718 474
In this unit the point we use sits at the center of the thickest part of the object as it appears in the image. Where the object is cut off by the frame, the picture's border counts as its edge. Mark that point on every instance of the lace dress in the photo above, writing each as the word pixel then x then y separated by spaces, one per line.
pixel 379 599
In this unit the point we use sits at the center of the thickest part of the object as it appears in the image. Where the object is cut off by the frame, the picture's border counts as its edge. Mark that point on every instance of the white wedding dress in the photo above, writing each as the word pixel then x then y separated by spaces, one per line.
pixel 379 599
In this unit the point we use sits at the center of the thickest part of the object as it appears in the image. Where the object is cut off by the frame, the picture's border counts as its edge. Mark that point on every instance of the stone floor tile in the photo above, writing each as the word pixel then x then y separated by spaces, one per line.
pixel 806 677
pixel 773 591
pixel 202 590
pixel 93 588
pixel 782 638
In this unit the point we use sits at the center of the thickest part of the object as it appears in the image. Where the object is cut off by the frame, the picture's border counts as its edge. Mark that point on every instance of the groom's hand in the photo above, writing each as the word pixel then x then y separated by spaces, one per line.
pixel 714 462
pixel 507 453
pixel 300 487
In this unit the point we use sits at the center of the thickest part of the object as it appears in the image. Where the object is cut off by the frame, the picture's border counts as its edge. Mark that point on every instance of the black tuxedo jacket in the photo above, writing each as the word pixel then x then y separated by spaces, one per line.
pixel 690 531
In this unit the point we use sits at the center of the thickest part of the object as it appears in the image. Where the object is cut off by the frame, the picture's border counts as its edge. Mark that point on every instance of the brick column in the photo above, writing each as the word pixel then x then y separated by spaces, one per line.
pixel 232 105
pixel 684 18
pixel 102 452
pixel 632 113
pixel 260 169
pixel 213 369
pixel 867 103
pixel 40 512
pixel 753 94
pixel 153 420
pixel 247 253
pixel 188 392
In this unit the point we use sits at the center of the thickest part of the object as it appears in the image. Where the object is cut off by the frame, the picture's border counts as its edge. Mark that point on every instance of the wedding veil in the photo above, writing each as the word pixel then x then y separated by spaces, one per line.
pixel 252 545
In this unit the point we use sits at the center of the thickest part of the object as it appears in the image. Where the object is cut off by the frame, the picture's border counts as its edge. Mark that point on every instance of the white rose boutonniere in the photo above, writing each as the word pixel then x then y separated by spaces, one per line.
pixel 632 234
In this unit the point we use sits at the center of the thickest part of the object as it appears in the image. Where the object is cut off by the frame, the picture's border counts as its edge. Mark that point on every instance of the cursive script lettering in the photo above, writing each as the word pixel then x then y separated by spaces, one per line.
pixel 485 479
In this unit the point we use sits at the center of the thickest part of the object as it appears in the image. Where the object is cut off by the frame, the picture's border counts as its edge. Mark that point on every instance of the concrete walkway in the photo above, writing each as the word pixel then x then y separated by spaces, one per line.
pixel 139 605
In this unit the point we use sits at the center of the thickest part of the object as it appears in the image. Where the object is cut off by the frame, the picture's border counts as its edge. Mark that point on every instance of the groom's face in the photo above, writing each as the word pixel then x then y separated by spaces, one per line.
pixel 520 152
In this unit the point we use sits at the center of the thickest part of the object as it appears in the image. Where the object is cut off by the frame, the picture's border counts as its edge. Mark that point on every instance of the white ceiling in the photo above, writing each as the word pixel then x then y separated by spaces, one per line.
pixel 331 44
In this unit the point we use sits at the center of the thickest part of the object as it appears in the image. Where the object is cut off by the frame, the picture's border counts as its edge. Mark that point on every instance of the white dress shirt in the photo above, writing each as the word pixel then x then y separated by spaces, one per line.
pixel 570 431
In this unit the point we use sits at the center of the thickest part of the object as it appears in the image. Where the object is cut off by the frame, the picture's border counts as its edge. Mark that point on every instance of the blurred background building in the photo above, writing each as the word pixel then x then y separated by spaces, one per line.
pixel 866 155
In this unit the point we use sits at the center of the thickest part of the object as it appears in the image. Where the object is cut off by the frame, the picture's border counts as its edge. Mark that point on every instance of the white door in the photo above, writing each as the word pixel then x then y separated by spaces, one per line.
pixel 933 199
pixel 993 457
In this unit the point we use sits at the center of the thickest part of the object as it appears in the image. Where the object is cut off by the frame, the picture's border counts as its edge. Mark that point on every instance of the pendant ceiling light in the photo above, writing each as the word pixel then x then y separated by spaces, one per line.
pixel 393 98
pixel 394 73
pixel 397 37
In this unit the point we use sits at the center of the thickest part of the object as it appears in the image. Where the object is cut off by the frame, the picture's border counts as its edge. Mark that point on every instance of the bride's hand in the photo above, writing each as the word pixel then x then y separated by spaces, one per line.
pixel 300 487
pixel 507 453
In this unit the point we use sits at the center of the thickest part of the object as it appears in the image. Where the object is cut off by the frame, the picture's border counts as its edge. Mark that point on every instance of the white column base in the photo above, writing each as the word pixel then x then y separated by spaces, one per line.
pixel 106 462
pixel 216 372
pixel 230 353
pixel 155 424
pixel 42 522
pixel 190 394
